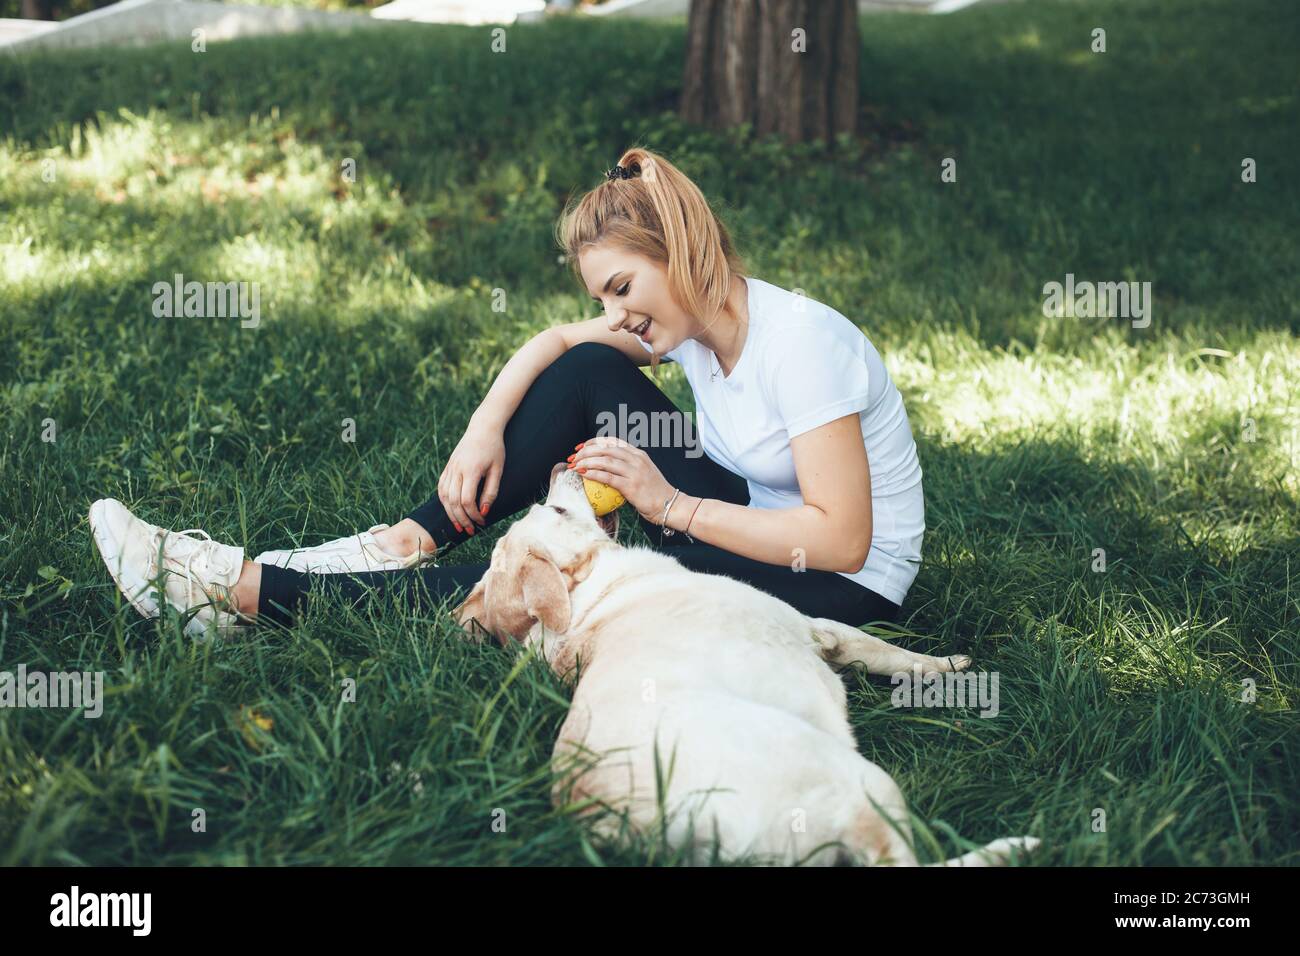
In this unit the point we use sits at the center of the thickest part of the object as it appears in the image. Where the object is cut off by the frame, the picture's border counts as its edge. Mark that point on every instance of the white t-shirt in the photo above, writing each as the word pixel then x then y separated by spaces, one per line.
pixel 804 364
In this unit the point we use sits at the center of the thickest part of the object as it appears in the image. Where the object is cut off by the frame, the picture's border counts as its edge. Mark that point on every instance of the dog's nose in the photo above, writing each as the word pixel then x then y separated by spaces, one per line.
pixel 559 469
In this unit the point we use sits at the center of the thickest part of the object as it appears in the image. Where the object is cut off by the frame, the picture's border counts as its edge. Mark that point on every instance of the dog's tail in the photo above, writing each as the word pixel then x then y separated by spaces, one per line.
pixel 840 645
pixel 872 838
pixel 997 853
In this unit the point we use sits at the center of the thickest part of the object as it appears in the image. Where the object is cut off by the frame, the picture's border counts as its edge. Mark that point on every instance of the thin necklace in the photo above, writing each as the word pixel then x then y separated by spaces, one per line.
pixel 714 375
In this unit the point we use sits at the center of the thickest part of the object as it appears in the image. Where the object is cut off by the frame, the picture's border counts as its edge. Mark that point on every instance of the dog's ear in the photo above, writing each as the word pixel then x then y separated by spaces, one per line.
pixel 528 587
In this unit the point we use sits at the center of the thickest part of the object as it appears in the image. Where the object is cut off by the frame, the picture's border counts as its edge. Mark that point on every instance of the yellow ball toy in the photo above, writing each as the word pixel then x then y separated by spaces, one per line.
pixel 603 498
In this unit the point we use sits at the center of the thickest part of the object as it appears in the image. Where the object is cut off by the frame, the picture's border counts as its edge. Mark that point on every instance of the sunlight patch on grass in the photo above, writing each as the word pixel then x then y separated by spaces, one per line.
pixel 29 269
pixel 1117 395
pixel 283 269
pixel 1025 40
pixel 1081 58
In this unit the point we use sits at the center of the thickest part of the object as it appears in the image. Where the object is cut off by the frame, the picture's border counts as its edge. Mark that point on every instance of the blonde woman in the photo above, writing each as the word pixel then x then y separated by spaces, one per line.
pixel 803 481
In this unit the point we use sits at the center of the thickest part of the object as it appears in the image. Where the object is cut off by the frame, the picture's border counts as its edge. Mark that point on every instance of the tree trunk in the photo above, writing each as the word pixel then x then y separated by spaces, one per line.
pixel 38 9
pixel 789 67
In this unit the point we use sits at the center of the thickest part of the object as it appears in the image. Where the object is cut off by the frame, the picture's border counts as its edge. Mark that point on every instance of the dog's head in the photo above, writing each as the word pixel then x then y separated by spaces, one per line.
pixel 535 565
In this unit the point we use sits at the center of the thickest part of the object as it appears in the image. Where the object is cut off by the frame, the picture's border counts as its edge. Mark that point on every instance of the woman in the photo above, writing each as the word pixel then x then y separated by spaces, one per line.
pixel 809 486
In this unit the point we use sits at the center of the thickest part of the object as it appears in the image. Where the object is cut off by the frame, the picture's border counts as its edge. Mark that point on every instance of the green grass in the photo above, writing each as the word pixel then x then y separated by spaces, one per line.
pixel 1174 448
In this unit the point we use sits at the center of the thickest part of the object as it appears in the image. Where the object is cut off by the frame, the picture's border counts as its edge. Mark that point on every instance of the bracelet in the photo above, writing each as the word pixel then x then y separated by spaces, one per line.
pixel 686 531
pixel 663 520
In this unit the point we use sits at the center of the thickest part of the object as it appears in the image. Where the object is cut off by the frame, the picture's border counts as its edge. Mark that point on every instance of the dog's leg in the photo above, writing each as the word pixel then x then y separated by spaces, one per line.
pixel 842 645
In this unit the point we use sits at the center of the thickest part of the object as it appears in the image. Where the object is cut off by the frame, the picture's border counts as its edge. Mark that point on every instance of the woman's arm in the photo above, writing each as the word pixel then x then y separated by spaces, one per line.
pixel 479 457
pixel 830 531
pixel 519 373
pixel 832 527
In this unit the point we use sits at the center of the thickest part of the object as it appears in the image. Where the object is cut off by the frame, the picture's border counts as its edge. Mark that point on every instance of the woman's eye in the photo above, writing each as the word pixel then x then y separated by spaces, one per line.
pixel 621 291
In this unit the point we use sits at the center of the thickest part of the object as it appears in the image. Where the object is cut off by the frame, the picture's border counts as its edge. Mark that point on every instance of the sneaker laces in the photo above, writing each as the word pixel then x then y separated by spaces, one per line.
pixel 206 549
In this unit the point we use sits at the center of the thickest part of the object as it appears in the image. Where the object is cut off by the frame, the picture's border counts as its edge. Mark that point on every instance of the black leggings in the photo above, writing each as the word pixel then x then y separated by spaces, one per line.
pixel 560 410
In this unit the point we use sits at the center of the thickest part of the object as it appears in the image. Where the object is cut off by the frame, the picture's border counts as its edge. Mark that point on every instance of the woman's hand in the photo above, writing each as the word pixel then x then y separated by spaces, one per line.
pixel 628 470
pixel 480 454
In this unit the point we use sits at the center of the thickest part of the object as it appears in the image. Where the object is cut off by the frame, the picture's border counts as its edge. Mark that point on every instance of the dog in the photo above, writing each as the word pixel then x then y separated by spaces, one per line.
pixel 703 708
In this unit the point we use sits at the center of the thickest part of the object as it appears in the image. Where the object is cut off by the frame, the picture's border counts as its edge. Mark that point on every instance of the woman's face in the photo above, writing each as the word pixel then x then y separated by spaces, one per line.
pixel 634 292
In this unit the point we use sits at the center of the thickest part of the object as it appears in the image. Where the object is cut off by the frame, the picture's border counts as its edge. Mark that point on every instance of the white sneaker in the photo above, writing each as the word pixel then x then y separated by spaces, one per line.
pixel 356 552
pixel 196 572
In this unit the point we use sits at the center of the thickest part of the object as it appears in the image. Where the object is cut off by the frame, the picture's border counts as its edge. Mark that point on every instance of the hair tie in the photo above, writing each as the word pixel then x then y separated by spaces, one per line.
pixel 623 172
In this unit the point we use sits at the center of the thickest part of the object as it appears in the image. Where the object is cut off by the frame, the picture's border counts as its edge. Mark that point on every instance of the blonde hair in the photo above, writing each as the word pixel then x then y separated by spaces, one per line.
pixel 660 214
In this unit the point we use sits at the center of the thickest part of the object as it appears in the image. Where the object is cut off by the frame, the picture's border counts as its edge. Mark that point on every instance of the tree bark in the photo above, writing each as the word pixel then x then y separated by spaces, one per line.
pixel 38 10
pixel 788 67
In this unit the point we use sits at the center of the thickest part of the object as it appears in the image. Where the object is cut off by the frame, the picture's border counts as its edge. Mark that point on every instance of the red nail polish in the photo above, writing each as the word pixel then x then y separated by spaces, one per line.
pixel 571 457
pixel 578 447
pixel 457 526
pixel 483 510
pixel 582 471
pixel 471 530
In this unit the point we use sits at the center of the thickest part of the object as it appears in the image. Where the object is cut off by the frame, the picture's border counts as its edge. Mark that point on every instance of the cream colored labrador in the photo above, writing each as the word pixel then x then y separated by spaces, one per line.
pixel 699 698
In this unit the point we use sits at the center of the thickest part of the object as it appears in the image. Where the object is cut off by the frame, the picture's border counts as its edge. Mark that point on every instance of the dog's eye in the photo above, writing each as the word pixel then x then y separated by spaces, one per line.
pixel 559 510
